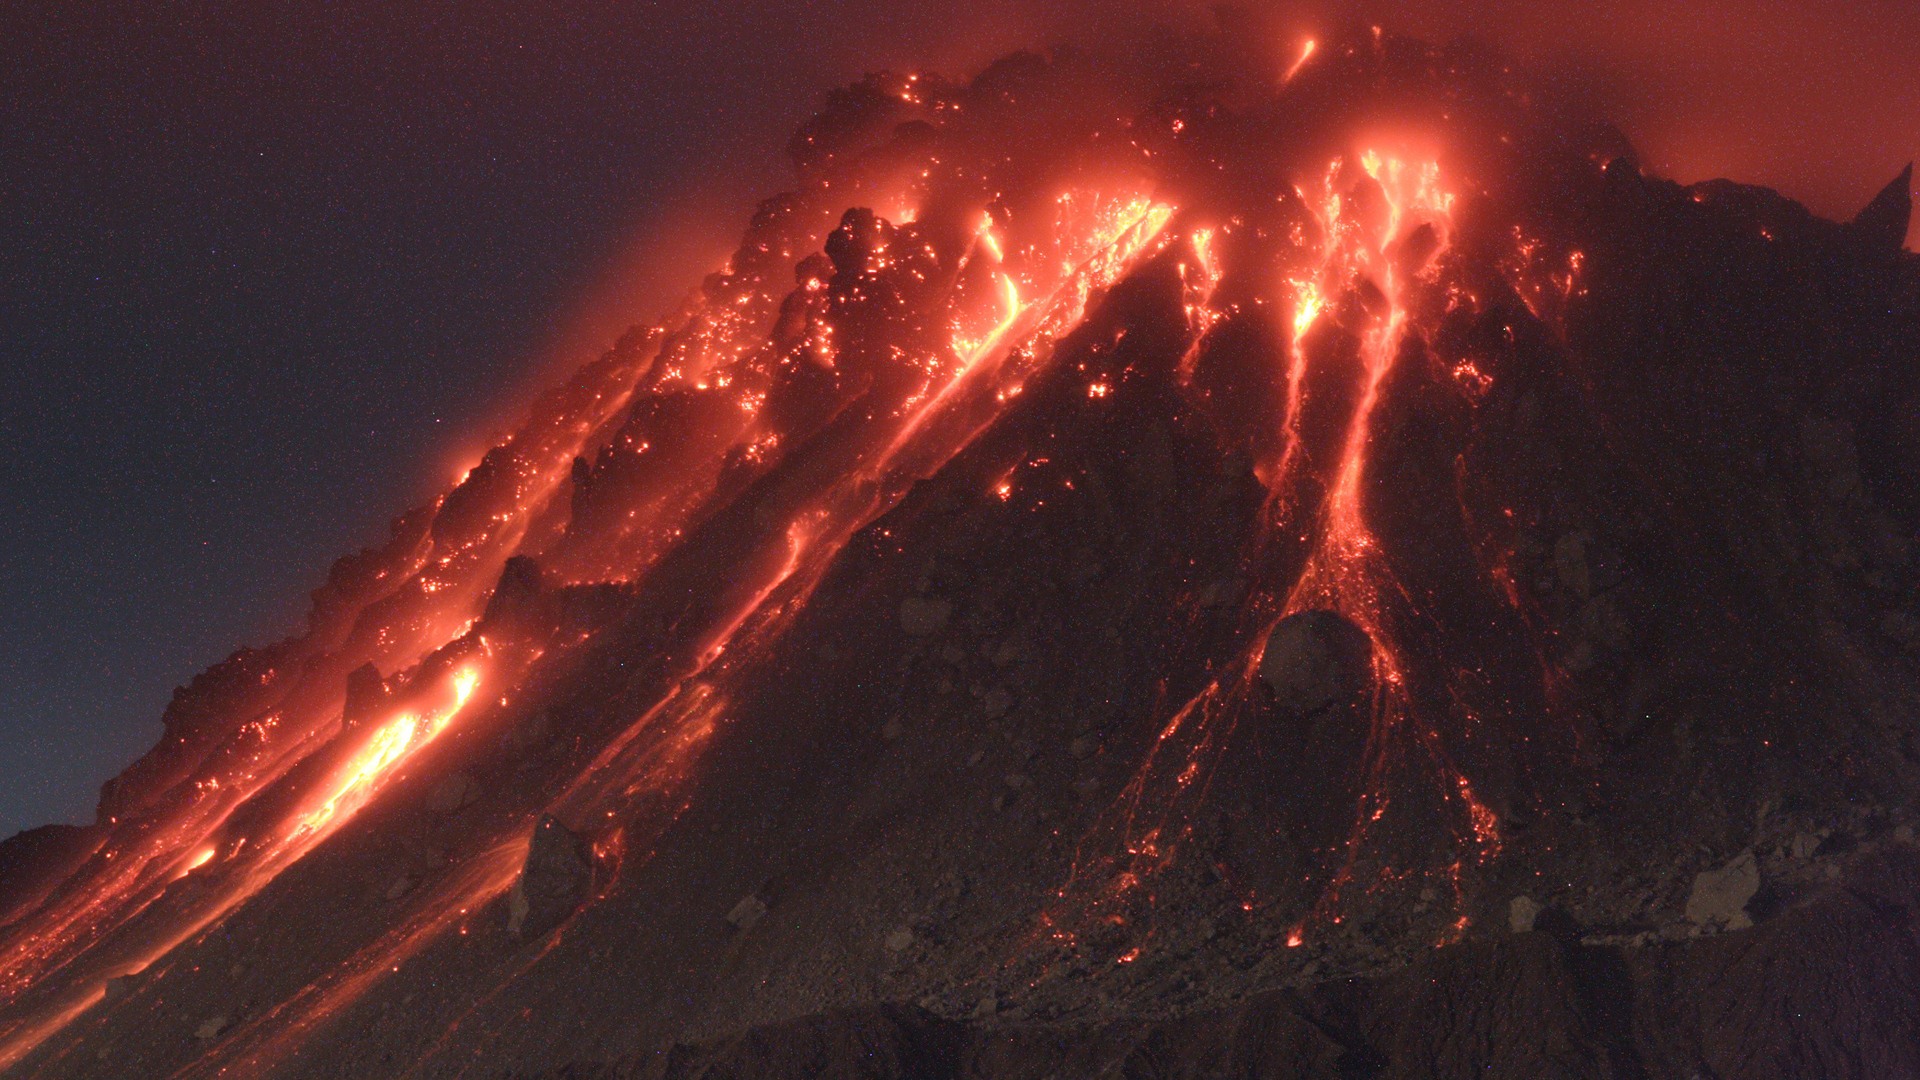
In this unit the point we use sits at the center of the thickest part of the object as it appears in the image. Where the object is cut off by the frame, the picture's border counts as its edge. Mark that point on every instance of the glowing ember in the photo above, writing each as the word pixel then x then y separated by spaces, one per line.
pixel 661 522
pixel 1306 53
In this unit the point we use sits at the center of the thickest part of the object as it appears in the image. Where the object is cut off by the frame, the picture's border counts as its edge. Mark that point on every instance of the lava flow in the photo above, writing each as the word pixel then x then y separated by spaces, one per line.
pixel 879 368
pixel 1379 230
pixel 1158 416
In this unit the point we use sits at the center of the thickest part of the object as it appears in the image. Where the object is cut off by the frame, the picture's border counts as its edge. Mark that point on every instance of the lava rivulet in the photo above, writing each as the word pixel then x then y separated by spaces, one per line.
pixel 630 562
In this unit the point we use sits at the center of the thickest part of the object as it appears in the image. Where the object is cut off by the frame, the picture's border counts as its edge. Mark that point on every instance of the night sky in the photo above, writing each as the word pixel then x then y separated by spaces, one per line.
pixel 271 273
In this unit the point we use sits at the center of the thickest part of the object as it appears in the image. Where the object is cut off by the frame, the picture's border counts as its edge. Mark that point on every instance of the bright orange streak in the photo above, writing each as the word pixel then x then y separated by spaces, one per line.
pixel 397 739
pixel 1306 51
pixel 1307 305
pixel 258 1044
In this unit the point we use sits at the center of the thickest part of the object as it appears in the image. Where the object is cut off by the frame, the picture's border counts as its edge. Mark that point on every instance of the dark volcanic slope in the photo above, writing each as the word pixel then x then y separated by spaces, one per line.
pixel 1221 572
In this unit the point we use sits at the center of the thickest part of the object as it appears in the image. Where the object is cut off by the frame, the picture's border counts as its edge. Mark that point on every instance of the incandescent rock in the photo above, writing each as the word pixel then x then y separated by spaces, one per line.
pixel 554 881
pixel 1720 897
pixel 1316 659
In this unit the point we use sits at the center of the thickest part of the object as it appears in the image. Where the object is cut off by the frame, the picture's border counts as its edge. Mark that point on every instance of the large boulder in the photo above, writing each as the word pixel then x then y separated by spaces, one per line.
pixel 1315 660
pixel 554 881
pixel 366 696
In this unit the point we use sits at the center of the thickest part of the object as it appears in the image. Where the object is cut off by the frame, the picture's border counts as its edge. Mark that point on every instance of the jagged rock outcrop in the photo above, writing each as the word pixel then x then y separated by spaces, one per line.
pixel 1885 220
pixel 554 881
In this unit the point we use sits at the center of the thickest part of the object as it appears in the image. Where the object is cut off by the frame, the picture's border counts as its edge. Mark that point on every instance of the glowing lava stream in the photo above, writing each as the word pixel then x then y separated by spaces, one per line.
pixel 656 752
pixel 352 785
pixel 1344 571
pixel 1362 249
pixel 79 931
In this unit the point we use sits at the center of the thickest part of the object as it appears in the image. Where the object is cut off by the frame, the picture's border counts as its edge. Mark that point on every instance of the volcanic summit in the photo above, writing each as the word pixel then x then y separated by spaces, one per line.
pixel 1318 567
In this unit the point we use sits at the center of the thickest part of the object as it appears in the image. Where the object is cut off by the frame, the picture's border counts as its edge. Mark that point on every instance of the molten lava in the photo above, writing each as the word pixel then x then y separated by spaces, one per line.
pixel 1299 273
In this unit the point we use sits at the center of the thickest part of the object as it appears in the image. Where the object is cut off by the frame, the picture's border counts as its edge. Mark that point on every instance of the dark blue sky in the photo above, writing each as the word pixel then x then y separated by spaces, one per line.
pixel 268 269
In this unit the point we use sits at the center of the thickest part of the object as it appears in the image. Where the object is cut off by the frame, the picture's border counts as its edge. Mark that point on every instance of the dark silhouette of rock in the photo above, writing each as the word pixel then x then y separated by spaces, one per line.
pixel 554 881
pixel 519 589
pixel 1885 220
pixel 1316 659
pixel 366 696
pixel 32 861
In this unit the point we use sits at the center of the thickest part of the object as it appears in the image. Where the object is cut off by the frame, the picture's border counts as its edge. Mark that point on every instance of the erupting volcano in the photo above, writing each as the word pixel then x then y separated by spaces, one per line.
pixel 1296 559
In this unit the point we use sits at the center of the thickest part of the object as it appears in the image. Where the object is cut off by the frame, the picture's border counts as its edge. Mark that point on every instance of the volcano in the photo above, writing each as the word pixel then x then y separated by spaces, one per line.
pixel 1299 567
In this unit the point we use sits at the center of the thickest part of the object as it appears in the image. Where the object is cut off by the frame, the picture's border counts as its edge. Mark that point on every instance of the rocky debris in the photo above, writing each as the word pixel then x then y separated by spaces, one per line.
pixel 994 703
pixel 555 880
pixel 366 696
pixel 1720 897
pixel 1522 913
pixel 1316 659
pixel 1570 564
pixel 1803 845
pixel 401 886
pixel 457 790
pixel 530 732
pixel 210 1029
pixel 1655 421
pixel 747 914
pixel 899 940
pixel 119 987
pixel 923 615
pixel 1830 990
pixel 887 1041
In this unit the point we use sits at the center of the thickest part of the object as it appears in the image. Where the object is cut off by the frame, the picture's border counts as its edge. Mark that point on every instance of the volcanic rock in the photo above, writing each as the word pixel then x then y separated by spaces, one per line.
pixel 1720 897
pixel 1884 221
pixel 1614 492
pixel 1316 659
pixel 33 861
pixel 1522 914
pixel 1831 990
pixel 519 589
pixel 747 913
pixel 366 696
pixel 555 879
pixel 922 615
pixel 458 789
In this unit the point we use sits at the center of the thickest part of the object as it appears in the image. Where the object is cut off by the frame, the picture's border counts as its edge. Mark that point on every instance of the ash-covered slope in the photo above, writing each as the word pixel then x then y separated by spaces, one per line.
pixel 1234 568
